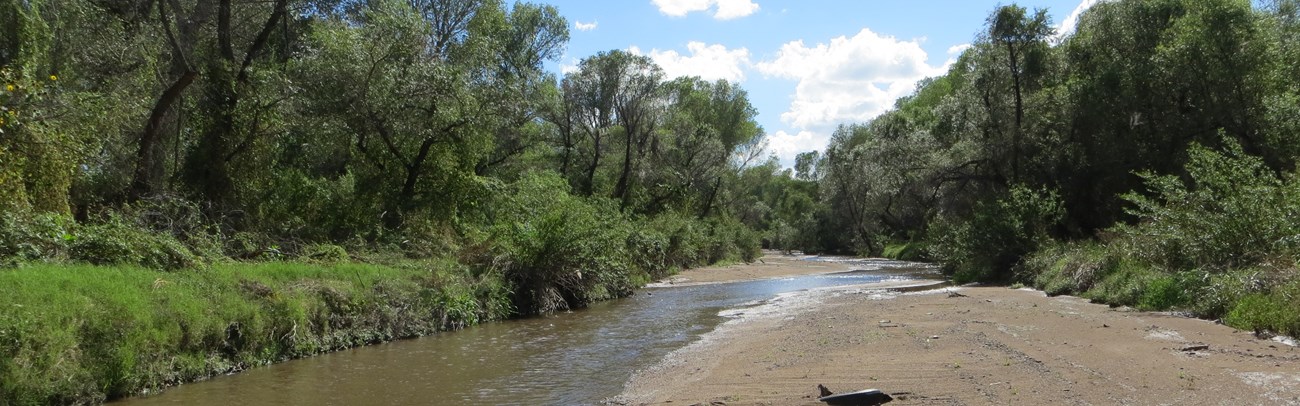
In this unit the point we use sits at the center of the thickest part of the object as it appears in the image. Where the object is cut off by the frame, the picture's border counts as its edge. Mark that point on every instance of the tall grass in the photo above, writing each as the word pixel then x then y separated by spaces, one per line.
pixel 84 334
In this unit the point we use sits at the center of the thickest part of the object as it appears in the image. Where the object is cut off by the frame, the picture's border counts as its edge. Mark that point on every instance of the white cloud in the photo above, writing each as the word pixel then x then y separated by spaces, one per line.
pixel 786 146
pixel 581 26
pixel 680 8
pixel 570 66
pixel 710 62
pixel 729 9
pixel 849 79
pixel 726 9
pixel 1071 22
pixel 956 50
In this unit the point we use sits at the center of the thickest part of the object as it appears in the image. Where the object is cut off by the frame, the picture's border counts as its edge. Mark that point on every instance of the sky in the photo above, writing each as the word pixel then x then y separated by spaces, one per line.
pixel 808 65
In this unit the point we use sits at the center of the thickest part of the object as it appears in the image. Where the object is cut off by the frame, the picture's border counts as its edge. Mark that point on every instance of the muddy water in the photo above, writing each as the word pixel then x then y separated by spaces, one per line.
pixel 580 357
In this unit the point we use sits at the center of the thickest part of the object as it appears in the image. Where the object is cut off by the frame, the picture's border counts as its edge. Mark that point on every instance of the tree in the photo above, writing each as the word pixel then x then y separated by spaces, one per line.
pixel 1021 41
pixel 231 126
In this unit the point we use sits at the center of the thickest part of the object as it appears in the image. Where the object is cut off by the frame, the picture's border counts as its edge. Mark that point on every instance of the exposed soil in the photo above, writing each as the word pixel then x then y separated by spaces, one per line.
pixel 985 345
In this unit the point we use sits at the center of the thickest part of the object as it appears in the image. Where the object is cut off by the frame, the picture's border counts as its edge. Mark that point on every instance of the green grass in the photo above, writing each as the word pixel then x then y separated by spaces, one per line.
pixel 1248 298
pixel 85 334
pixel 908 251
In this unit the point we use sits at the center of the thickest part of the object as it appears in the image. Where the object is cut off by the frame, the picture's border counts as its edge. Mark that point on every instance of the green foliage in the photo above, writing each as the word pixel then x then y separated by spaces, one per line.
pixel 1232 212
pixel 1275 311
pixel 324 253
pixel 33 237
pixel 1217 243
pixel 117 242
pixel 990 245
pixel 558 250
pixel 906 251
pixel 83 334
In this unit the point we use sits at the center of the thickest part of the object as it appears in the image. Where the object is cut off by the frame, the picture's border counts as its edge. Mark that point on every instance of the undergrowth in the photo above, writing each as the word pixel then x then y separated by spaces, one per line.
pixel 1221 244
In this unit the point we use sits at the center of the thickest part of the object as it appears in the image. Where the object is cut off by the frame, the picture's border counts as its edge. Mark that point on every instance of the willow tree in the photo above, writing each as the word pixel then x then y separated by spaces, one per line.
pixel 1019 41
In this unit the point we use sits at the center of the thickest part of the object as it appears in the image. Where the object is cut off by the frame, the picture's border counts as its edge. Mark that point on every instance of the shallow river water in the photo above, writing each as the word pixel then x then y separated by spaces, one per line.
pixel 573 358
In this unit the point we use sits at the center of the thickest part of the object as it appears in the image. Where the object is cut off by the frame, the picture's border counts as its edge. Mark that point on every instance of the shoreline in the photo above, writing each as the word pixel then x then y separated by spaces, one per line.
pixel 773 265
pixel 984 345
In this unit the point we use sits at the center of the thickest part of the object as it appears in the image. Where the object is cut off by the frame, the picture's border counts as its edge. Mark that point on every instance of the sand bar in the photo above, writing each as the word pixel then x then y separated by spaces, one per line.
pixel 961 346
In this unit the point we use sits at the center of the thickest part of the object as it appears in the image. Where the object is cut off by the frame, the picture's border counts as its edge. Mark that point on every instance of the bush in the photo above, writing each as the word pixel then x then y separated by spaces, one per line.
pixel 324 253
pixel 1001 232
pixel 116 242
pixel 1277 311
pixel 649 251
pixel 906 251
pixel 686 239
pixel 557 250
pixel 1233 212
pixel 25 237
pixel 730 240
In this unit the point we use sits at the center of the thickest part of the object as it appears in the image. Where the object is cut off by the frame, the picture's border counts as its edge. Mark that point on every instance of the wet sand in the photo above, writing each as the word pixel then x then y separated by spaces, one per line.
pixel 984 345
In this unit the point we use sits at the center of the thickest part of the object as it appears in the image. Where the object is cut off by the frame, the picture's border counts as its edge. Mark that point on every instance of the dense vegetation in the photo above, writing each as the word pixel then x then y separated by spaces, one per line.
pixel 192 187
pixel 1146 160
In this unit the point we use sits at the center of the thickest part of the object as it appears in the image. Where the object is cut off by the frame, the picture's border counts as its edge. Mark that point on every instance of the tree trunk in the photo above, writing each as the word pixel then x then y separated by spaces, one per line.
pixel 149 155
pixel 1020 112
pixel 621 191
pixel 591 169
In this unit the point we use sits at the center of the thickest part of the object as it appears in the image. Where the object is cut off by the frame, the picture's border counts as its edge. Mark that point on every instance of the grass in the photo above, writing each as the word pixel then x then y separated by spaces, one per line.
pixel 1258 298
pixel 906 251
pixel 86 334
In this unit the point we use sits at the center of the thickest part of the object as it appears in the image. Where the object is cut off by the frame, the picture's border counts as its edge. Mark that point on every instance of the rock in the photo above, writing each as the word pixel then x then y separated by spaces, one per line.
pixel 824 392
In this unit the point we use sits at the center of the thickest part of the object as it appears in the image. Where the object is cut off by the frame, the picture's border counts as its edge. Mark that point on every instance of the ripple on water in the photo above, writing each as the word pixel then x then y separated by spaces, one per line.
pixel 580 357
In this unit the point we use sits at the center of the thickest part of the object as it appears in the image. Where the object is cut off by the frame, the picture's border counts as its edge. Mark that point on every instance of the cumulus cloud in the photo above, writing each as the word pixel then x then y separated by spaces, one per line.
pixel 581 26
pixel 724 9
pixel 1071 21
pixel 956 50
pixel 786 146
pixel 729 9
pixel 710 62
pixel 848 80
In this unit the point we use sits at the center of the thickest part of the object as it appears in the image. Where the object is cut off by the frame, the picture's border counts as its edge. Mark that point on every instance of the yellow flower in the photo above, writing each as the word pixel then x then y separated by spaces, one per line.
pixel 54 77
pixel 9 88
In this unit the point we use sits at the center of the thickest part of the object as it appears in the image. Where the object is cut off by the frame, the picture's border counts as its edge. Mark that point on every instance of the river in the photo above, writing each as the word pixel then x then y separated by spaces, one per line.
pixel 572 358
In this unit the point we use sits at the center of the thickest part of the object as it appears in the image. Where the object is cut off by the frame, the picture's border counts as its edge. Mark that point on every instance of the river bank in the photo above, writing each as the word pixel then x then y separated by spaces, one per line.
pixel 986 345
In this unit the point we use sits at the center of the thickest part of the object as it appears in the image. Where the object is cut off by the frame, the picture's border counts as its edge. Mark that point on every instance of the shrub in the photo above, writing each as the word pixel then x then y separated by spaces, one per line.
pixel 648 249
pixel 686 239
pixel 557 250
pixel 730 240
pixel 1233 212
pixel 1277 311
pixel 324 253
pixel 906 251
pixel 997 236
pixel 116 242
pixel 32 237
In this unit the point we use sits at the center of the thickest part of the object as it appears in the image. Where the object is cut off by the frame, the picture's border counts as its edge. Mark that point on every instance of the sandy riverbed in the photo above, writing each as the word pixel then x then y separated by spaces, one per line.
pixel 988 345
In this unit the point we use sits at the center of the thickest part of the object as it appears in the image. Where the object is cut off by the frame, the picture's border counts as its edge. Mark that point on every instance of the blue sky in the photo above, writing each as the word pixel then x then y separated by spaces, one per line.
pixel 807 65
